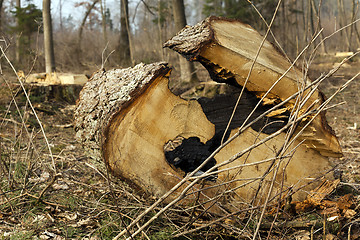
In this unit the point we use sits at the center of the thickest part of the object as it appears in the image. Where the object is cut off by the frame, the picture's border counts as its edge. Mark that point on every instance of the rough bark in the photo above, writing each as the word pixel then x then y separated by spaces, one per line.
pixel 48 38
pixel 187 68
pixel 218 43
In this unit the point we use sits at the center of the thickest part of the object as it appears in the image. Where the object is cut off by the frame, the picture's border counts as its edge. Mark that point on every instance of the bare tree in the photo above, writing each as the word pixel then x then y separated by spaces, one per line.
pixel 17 53
pixel 103 19
pixel 355 7
pixel 187 68
pixel 124 42
pixel 342 23
pixel 48 38
pixel 317 12
pixel 87 13
pixel 61 17
pixel 284 24
pixel 1 11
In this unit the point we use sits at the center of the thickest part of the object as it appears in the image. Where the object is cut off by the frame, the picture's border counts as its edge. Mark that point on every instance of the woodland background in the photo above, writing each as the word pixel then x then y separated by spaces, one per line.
pixel 134 31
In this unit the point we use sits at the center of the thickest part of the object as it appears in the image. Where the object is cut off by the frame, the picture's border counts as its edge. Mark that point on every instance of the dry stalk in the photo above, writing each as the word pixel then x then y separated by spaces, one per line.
pixel 33 110
pixel 249 74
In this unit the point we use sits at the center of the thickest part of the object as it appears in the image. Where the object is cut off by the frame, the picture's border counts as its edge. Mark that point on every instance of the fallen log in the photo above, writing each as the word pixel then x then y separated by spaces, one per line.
pixel 152 138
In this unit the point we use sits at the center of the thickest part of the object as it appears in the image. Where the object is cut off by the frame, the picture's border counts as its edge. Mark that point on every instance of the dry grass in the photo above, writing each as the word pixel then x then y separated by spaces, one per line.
pixel 83 201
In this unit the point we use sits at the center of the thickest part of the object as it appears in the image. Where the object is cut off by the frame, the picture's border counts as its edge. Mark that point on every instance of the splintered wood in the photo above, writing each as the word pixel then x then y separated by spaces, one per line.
pixel 332 209
pixel 323 190
pixel 153 139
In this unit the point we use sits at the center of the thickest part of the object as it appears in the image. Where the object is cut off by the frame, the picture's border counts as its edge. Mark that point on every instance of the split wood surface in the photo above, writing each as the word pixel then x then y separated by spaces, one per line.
pixel 152 138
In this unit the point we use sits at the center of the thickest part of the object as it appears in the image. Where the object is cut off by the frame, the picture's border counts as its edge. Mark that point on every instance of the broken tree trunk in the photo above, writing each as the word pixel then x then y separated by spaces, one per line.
pixel 152 138
pixel 227 49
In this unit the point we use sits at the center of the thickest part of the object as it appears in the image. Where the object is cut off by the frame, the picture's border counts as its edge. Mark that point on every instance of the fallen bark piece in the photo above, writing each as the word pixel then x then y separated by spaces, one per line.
pixel 227 49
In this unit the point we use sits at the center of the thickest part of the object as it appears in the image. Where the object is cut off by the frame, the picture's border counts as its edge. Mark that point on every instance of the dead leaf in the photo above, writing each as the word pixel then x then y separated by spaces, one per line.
pixel 345 202
pixel 88 222
pixel 349 213
pixel 330 237
pixel 333 218
pixel 60 186
pixel 68 215
pixel 47 235
pixel 302 235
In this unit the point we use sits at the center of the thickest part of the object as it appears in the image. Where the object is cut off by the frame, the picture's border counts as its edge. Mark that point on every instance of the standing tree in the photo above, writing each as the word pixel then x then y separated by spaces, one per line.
pixel 103 19
pixel 187 68
pixel 124 42
pixel 28 19
pixel 17 54
pixel 61 16
pixel 90 7
pixel 1 15
pixel 48 38
pixel 355 7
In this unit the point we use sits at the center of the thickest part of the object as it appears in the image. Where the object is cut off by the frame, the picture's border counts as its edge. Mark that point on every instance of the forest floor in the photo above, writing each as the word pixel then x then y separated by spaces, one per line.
pixel 82 201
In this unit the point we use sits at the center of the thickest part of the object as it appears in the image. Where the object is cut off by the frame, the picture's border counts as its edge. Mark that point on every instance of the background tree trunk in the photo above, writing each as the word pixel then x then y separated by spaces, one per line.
pixel 355 6
pixel 124 42
pixel 161 50
pixel 103 20
pixel 60 15
pixel 48 37
pixel 284 27
pixel 88 11
pixel 187 69
pixel 342 23
pixel 17 51
pixel 1 11
pixel 318 25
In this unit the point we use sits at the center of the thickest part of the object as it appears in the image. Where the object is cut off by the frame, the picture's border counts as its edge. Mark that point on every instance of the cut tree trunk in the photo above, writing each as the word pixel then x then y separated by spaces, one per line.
pixel 152 138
